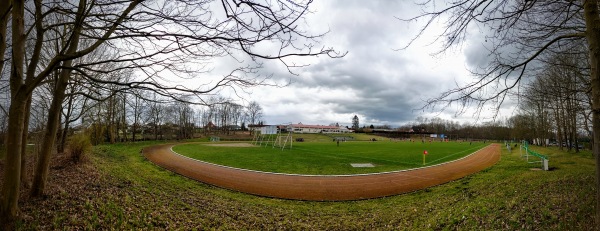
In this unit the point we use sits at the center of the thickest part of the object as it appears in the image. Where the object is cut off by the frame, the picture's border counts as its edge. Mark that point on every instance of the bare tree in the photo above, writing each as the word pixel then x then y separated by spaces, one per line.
pixel 254 112
pixel 16 112
pixel 536 107
pixel 136 112
pixel 73 108
pixel 154 115
pixel 182 116
pixel 563 89
pixel 153 37
pixel 237 112
pixel 520 33
pixel 522 127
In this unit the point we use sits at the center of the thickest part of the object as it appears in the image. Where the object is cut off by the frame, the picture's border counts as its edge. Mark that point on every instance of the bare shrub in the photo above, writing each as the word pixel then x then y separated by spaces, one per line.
pixel 79 145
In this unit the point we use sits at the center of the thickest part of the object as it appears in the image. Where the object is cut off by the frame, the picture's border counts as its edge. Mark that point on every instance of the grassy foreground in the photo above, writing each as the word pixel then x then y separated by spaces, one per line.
pixel 119 189
pixel 327 158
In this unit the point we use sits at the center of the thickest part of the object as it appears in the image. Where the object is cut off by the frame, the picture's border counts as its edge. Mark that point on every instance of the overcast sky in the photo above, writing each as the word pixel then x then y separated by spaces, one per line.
pixel 375 80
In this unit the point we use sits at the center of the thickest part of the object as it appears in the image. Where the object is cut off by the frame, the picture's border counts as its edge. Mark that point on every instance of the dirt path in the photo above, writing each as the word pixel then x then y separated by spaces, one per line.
pixel 322 188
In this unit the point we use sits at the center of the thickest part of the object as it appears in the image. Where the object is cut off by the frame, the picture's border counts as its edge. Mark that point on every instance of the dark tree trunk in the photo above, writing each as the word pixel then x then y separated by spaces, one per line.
pixel 12 169
pixel 16 117
pixel 48 143
pixel 65 131
pixel 24 177
pixel 54 114
pixel 592 21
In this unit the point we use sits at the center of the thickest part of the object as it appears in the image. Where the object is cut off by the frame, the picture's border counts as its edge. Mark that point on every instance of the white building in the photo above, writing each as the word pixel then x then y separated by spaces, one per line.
pixel 305 128
pixel 264 129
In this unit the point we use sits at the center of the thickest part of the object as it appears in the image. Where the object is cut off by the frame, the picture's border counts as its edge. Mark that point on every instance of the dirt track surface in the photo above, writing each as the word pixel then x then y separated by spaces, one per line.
pixel 322 188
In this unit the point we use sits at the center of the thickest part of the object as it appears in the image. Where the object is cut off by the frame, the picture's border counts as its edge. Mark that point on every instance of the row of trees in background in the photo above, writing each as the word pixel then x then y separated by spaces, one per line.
pixel 555 106
pixel 492 130
pixel 137 115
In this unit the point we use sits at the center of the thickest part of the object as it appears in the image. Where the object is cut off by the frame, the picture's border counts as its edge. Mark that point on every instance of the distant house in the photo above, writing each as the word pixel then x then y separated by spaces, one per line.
pixel 255 127
pixel 305 128
pixel 299 128
pixel 210 126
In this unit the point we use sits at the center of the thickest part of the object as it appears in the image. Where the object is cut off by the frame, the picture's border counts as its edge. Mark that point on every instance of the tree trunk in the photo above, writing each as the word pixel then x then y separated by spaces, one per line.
pixel 65 131
pixel 117 119
pixel 124 119
pixel 43 163
pixel 54 113
pixel 135 118
pixel 133 130
pixel 16 118
pixel 24 179
pixel 558 128
pixel 564 122
pixel 155 132
pixel 592 21
pixel 60 129
pixel 110 120
pixel 12 170
pixel 64 136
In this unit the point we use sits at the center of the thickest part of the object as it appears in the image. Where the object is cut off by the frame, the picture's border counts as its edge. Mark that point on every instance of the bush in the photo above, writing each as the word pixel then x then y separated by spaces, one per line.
pixel 79 145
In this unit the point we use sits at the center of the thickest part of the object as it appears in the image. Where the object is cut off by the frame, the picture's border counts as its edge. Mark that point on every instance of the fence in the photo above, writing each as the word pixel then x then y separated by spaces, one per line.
pixel 528 152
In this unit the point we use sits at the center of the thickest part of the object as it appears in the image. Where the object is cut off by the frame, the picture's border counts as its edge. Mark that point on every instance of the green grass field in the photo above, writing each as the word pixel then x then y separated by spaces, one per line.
pixel 119 190
pixel 326 158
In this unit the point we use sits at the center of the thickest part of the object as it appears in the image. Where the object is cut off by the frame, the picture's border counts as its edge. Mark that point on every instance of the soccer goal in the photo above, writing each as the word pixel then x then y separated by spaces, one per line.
pixel 271 135
pixel 265 136
pixel 284 140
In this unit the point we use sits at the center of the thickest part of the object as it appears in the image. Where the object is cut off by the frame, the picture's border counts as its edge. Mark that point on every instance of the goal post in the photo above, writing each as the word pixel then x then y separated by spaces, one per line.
pixel 284 140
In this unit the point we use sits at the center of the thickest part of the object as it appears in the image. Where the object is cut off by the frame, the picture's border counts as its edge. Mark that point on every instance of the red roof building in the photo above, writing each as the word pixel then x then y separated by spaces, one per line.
pixel 305 128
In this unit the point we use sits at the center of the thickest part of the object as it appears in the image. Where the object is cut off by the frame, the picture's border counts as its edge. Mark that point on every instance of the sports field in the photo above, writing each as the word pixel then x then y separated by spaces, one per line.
pixel 327 158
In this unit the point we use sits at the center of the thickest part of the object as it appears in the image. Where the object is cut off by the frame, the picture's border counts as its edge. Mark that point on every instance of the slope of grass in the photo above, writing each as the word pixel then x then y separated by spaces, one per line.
pixel 119 189
pixel 327 158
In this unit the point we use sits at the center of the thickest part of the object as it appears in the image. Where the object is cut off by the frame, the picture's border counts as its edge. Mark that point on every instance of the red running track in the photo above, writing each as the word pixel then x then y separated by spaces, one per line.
pixel 322 188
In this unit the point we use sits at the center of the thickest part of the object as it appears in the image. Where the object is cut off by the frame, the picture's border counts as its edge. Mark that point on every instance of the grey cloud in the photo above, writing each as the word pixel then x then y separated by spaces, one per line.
pixel 373 80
